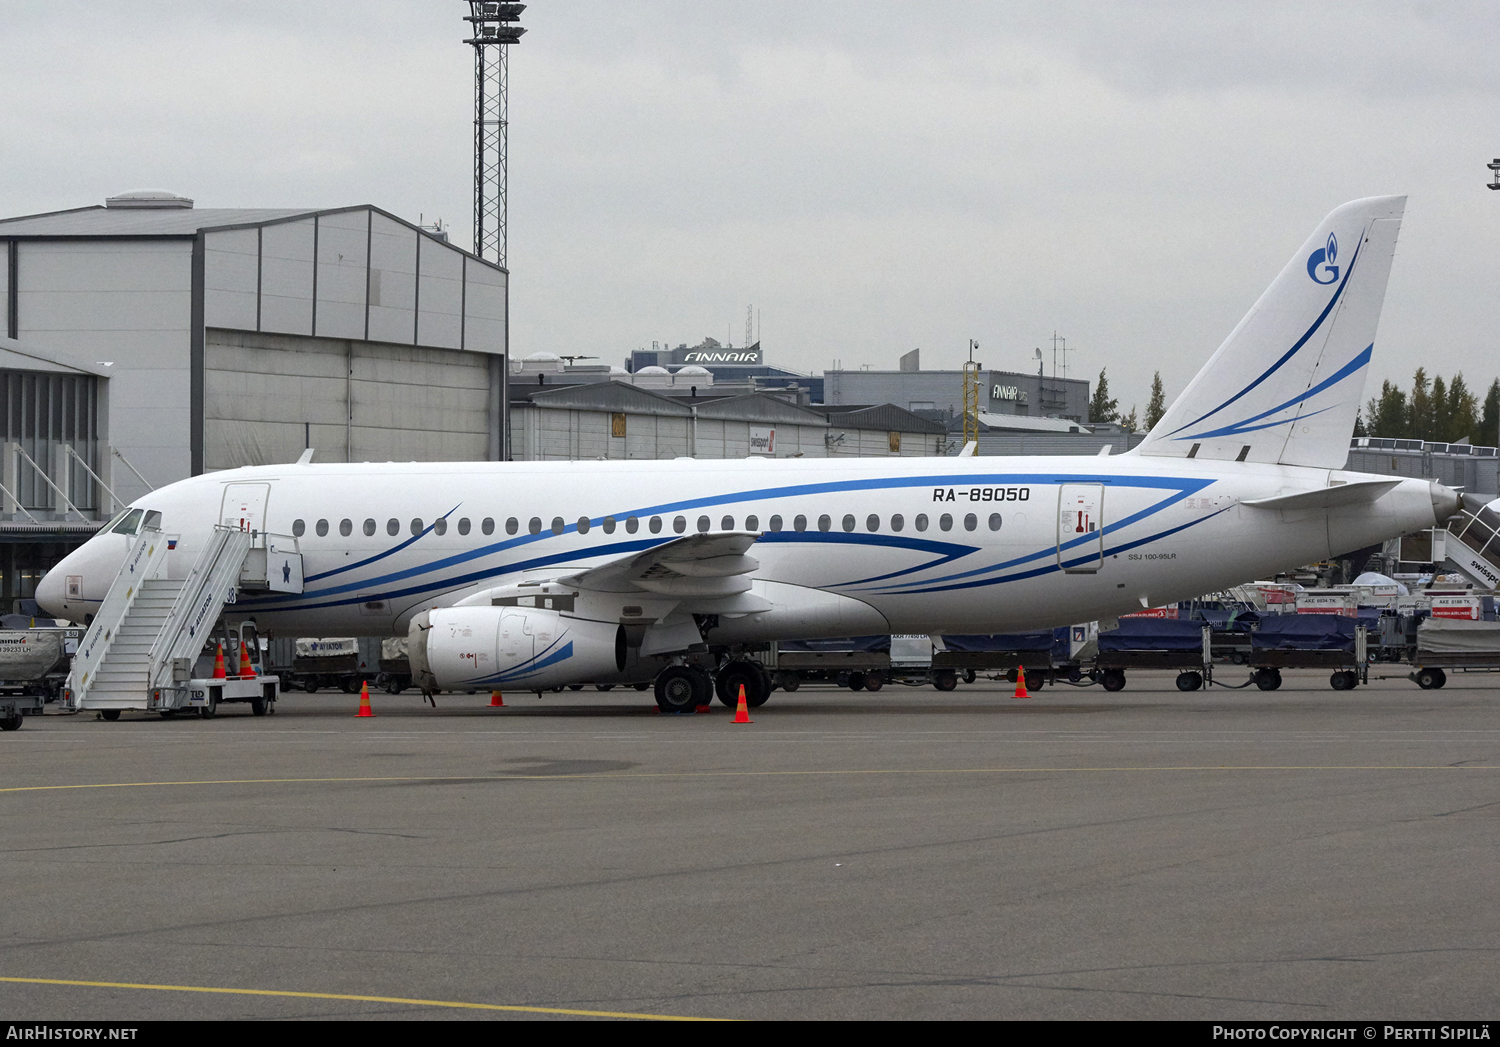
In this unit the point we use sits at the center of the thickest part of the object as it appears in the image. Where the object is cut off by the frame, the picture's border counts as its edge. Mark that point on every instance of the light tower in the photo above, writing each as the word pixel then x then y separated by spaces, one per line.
pixel 494 32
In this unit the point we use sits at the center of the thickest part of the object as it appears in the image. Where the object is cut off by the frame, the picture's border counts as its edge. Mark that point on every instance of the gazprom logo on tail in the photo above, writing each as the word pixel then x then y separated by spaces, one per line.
pixel 1321 261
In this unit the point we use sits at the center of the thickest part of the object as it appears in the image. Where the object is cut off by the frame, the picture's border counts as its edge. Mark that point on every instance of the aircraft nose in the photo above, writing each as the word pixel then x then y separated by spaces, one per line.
pixel 52 593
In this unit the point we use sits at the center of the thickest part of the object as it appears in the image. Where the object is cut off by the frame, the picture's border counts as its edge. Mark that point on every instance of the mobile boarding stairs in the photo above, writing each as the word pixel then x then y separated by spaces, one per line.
pixel 141 648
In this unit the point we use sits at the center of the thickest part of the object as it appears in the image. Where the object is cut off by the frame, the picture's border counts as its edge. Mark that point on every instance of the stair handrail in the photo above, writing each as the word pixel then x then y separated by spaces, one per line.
pixel 208 586
pixel 143 560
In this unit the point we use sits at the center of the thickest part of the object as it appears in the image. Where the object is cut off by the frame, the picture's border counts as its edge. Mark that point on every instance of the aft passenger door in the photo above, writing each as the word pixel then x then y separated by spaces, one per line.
pixel 1080 528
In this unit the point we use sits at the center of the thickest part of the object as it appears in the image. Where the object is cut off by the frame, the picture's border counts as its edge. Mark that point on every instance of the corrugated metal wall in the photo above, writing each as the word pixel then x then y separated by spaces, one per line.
pixel 267 396
pixel 41 412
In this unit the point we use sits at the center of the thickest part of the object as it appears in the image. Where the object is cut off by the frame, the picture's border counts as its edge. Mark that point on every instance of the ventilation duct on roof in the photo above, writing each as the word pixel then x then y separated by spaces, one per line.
pixel 144 198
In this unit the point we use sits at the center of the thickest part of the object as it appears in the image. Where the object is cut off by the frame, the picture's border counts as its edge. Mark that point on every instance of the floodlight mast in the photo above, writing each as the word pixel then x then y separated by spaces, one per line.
pixel 494 32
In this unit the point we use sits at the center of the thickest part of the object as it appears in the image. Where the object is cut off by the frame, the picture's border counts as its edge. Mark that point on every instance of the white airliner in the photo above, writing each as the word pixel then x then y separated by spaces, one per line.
pixel 530 575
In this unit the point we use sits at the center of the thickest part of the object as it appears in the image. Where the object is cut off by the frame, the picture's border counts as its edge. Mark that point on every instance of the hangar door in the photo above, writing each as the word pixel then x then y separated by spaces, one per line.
pixel 269 396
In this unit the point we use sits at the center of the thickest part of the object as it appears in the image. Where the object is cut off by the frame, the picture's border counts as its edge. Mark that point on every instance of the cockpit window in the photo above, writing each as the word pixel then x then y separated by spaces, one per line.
pixel 130 524
pixel 153 520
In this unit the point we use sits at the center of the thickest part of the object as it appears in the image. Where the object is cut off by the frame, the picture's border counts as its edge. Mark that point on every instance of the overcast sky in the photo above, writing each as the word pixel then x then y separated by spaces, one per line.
pixel 872 177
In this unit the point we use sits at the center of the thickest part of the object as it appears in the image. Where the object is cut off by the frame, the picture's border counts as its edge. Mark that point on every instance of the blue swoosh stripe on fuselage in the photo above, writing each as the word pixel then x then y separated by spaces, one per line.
pixel 1187 489
pixel 370 588
pixel 1290 352
pixel 1052 568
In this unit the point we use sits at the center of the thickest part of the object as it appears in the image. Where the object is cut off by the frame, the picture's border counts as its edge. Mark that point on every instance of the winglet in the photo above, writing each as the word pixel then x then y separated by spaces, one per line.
pixel 306 457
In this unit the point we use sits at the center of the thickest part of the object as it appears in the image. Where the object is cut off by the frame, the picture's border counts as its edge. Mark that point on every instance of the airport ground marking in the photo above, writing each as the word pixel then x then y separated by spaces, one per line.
pixel 748 774
pixel 459 1004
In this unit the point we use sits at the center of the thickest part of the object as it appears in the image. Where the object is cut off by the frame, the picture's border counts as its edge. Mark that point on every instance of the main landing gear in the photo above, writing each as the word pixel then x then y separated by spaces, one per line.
pixel 683 688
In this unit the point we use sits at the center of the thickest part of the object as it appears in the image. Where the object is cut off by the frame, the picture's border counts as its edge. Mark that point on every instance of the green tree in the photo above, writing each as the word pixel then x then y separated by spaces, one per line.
pixel 1489 425
pixel 1419 412
pixel 1462 412
pixel 1158 403
pixel 1386 415
pixel 1101 407
pixel 1129 423
pixel 1359 424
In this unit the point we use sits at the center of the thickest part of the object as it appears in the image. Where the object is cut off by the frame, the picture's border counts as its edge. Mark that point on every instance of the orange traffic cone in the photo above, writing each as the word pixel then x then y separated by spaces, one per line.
pixel 246 669
pixel 1021 683
pixel 364 700
pixel 219 663
pixel 742 714
pixel 496 701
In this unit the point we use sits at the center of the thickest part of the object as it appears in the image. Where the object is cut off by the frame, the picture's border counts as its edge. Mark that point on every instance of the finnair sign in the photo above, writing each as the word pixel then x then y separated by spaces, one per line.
pixel 722 356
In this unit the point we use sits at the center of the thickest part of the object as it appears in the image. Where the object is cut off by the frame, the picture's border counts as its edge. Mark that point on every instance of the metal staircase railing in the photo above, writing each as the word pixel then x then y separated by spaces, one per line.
pixel 145 559
pixel 206 589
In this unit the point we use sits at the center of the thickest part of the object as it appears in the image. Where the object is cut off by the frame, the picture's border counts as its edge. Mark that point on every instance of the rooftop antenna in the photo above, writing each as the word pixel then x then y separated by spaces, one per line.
pixel 1494 166
pixel 494 32
pixel 749 329
pixel 971 396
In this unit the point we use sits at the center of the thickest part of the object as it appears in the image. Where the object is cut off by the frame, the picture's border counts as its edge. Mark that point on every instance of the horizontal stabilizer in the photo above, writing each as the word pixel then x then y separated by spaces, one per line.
pixel 1360 492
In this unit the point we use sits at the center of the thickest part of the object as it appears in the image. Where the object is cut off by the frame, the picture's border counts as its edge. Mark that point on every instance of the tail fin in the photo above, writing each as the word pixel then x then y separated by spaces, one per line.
pixel 1286 384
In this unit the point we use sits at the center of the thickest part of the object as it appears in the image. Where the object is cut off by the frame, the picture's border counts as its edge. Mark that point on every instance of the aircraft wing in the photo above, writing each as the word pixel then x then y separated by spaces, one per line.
pixel 695 565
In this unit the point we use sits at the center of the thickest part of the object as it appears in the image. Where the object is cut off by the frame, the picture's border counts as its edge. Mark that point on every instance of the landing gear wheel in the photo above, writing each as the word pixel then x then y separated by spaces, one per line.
pixel 873 682
pixel 11 723
pixel 945 679
pixel 1189 681
pixel 1113 680
pixel 755 681
pixel 110 714
pixel 676 689
pixel 789 681
pixel 1267 679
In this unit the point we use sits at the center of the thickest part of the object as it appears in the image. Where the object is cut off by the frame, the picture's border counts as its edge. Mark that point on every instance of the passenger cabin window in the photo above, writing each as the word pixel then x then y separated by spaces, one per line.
pixel 369 528
pixel 752 523
pixel 705 525
pixel 346 527
pixel 609 525
pixel 298 528
pixel 872 523
pixel 463 525
pixel 920 523
pixel 487 525
pixel 679 524
pixel 800 523
pixel 440 526
pixel 416 526
pixel 321 527
pixel 655 525
pixel 897 521
pixel 512 525
pixel 994 521
pixel 632 525
pixel 825 522
pixel 946 521
pixel 849 523
pixel 583 525
pixel 557 525
pixel 775 524
pixel 970 522
pixel 393 527
pixel 726 524
pixel 535 525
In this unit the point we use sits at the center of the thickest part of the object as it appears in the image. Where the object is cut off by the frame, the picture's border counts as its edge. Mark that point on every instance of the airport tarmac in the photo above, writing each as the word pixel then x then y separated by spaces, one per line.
pixel 1231 854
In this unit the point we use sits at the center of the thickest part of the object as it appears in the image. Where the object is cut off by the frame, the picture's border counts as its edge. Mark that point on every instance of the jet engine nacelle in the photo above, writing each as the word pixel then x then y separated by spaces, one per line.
pixel 521 648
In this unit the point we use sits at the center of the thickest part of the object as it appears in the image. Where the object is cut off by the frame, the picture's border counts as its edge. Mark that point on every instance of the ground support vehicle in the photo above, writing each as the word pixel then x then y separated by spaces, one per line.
pixel 395 669
pixel 344 662
pixel 1232 630
pixel 1044 655
pixel 1156 643
pixel 1310 641
pixel 204 695
pixel 34 666
pixel 1444 645
pixel 852 661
